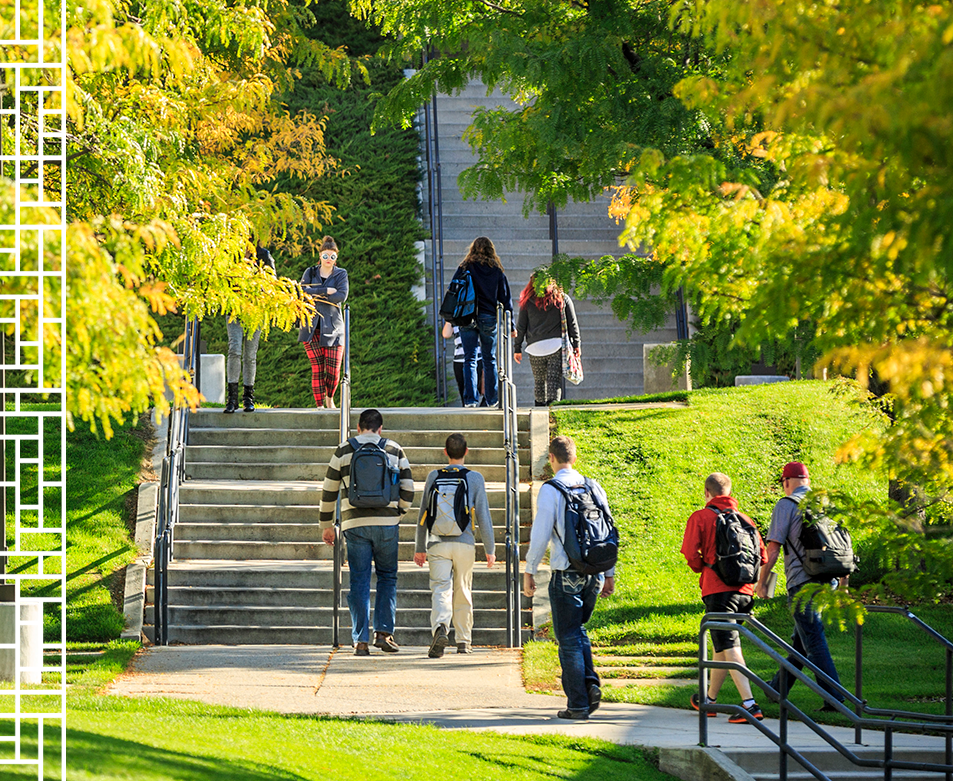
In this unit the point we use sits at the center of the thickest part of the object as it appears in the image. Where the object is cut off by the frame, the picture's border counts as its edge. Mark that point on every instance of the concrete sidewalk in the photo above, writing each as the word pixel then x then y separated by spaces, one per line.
pixel 482 691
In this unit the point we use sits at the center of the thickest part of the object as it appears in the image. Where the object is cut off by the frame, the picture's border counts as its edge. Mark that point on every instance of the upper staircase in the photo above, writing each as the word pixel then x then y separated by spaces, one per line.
pixel 611 356
pixel 249 565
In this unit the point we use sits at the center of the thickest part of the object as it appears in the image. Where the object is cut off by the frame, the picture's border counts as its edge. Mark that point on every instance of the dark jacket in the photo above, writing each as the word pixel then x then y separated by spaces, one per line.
pixel 328 318
pixel 264 257
pixel 535 324
pixel 490 286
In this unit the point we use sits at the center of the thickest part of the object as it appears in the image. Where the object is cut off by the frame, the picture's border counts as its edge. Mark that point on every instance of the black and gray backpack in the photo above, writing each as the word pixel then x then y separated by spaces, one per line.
pixel 737 552
pixel 828 551
pixel 448 504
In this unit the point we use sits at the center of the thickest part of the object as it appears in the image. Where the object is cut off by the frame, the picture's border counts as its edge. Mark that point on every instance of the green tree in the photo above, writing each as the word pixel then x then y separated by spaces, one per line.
pixel 815 189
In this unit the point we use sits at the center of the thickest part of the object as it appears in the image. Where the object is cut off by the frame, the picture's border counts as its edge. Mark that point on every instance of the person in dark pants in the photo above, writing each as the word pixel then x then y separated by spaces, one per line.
pixel 540 323
pixel 243 350
pixel 572 595
pixel 371 535
pixel 491 288
pixel 698 548
pixel 809 639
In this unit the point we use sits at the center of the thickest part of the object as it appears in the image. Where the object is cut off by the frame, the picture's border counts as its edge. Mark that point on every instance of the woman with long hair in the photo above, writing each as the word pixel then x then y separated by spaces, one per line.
pixel 491 287
pixel 540 324
pixel 323 337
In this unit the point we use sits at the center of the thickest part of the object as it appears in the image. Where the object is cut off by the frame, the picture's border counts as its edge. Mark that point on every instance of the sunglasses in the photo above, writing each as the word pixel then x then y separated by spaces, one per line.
pixel 329 256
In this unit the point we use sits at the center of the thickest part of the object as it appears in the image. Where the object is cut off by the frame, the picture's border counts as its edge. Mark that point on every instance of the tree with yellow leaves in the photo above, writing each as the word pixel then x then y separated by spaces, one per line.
pixel 175 134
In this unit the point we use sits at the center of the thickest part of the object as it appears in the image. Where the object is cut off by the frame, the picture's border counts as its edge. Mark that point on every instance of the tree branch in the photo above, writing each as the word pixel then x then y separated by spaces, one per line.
pixel 499 8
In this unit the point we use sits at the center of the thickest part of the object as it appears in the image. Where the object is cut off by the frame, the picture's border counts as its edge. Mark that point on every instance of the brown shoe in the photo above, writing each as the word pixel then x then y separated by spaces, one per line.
pixel 361 649
pixel 464 648
pixel 385 642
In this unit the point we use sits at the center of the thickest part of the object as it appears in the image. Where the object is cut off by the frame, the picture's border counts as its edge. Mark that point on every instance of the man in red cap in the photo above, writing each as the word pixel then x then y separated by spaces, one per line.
pixel 699 550
pixel 809 639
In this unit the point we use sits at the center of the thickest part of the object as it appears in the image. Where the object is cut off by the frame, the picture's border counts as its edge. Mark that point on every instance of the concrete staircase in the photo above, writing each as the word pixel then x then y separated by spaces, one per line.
pixel 249 565
pixel 763 764
pixel 612 358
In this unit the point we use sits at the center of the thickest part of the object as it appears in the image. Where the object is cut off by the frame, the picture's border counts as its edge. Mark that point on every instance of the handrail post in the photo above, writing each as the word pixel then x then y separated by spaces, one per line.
pixel 858 678
pixel 948 757
pixel 888 752
pixel 344 430
pixel 702 686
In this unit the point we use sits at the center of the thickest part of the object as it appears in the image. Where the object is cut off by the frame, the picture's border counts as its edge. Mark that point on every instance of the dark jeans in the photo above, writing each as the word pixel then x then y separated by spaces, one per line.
pixel 364 544
pixel 482 332
pixel 808 640
pixel 458 376
pixel 572 599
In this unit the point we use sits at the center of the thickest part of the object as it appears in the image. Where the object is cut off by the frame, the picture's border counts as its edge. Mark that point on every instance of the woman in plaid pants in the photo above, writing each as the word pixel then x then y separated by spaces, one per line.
pixel 323 337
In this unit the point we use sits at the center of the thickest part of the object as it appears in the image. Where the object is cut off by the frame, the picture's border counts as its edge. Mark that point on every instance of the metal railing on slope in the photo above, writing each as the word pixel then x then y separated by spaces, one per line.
pixel 344 432
pixel 859 683
pixel 722 621
pixel 172 474
pixel 504 362
pixel 435 206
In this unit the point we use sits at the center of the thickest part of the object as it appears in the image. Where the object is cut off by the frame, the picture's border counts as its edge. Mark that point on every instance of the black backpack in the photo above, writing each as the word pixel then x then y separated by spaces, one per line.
pixel 459 305
pixel 373 482
pixel 737 552
pixel 448 503
pixel 592 539
pixel 828 551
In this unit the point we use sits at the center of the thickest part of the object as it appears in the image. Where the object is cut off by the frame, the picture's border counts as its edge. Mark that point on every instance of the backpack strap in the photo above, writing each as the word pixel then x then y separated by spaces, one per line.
pixel 564 490
pixel 718 512
pixel 797 503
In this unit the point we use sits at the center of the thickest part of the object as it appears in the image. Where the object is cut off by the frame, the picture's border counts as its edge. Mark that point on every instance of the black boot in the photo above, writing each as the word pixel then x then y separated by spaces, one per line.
pixel 249 398
pixel 231 405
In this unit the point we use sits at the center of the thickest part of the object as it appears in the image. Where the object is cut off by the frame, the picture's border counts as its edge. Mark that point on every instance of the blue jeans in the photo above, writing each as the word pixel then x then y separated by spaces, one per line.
pixel 808 640
pixel 482 332
pixel 572 598
pixel 377 543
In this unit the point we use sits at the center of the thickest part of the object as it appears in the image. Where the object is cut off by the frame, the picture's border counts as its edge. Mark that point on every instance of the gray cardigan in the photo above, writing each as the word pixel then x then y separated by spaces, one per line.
pixel 328 317
pixel 535 324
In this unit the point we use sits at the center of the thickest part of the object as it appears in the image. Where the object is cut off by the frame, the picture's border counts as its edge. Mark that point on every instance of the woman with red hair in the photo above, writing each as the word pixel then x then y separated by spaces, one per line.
pixel 540 324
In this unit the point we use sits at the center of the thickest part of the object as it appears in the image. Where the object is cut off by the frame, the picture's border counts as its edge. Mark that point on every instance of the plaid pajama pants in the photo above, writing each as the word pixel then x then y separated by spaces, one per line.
pixel 325 369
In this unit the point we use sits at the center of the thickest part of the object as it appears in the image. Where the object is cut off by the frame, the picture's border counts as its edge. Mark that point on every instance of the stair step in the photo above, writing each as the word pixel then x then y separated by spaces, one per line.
pixel 254 550
pixel 267 635
pixel 208 596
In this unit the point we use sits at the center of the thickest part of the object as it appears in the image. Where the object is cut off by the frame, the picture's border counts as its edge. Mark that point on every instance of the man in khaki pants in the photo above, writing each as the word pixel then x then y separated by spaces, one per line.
pixel 453 498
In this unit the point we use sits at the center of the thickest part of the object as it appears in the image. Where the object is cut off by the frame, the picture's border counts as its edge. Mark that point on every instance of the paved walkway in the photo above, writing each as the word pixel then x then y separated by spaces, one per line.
pixel 482 691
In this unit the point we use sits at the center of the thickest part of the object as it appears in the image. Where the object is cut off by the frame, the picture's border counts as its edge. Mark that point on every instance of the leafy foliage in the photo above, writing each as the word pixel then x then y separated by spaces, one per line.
pixel 594 82
pixel 175 137
pixel 375 226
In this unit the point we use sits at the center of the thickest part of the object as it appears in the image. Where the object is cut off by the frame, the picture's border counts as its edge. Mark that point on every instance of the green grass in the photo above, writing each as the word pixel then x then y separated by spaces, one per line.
pixel 647 398
pixel 120 738
pixel 100 474
pixel 653 464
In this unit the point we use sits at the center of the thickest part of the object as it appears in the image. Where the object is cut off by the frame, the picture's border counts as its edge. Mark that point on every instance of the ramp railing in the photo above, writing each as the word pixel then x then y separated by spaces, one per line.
pixel 792 663
pixel 504 362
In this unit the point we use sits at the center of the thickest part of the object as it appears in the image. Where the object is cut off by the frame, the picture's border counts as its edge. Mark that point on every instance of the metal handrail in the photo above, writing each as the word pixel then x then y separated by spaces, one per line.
pixel 171 476
pixel 858 674
pixel 724 621
pixel 344 432
pixel 504 362
pixel 435 206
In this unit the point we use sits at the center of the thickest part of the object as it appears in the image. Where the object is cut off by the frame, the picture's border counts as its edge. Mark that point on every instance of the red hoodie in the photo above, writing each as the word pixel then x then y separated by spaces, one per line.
pixel 698 546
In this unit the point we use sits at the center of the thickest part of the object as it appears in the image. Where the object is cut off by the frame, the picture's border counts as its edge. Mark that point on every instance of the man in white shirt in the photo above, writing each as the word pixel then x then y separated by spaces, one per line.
pixel 572 595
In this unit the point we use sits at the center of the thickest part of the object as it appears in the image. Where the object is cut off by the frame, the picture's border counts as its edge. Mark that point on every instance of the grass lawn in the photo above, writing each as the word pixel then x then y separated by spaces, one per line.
pixel 117 738
pixel 653 464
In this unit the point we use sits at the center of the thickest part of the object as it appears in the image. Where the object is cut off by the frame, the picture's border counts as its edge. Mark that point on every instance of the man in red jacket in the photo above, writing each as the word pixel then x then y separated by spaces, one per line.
pixel 698 548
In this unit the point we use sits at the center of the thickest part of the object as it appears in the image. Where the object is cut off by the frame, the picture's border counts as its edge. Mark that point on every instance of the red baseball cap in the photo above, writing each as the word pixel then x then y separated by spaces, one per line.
pixel 794 469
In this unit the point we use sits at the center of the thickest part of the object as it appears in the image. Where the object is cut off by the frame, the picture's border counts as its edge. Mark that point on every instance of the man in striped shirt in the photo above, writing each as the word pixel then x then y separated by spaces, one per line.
pixel 370 533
